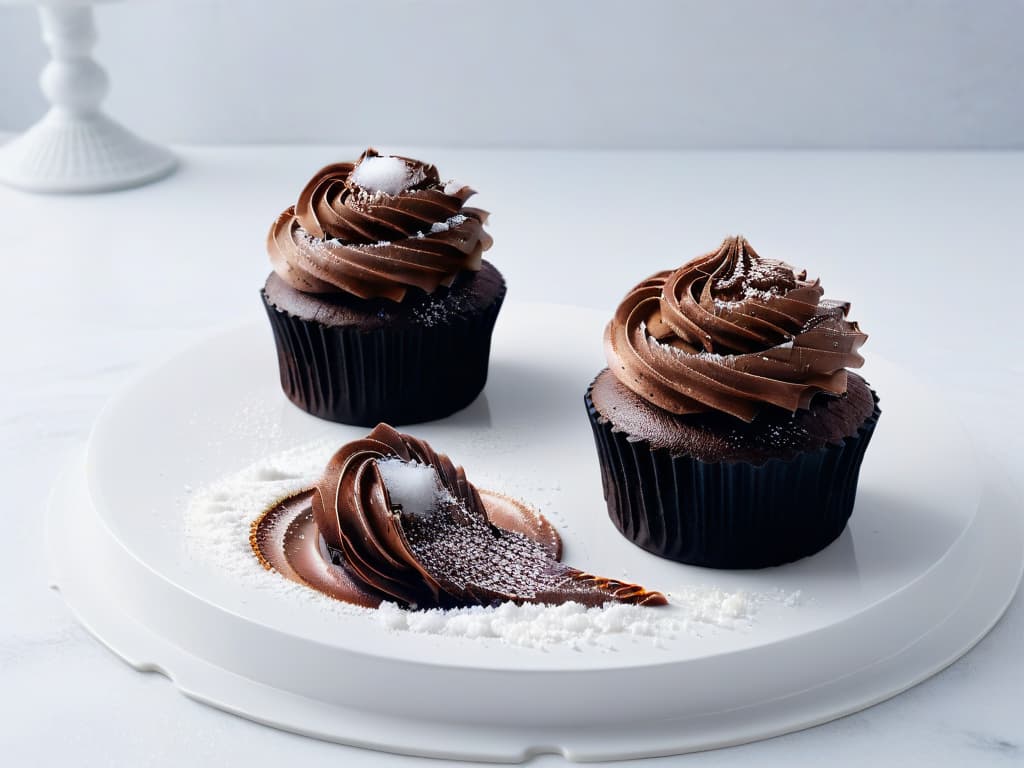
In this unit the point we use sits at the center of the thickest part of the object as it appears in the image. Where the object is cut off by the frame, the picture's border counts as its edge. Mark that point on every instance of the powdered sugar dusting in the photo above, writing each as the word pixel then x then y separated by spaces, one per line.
pixel 437 310
pixel 218 517
pixel 749 293
pixel 217 522
pixel 324 245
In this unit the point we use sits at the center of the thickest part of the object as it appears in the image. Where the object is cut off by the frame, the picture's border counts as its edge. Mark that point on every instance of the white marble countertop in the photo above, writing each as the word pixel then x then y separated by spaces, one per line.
pixel 924 244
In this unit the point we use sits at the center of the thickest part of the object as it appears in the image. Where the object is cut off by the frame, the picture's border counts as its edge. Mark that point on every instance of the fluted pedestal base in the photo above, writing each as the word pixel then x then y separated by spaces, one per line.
pixel 66 152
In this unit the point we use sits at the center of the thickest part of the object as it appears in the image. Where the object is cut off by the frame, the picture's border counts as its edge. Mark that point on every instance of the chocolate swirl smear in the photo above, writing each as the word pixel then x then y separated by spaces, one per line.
pixel 732 332
pixel 376 228
pixel 467 548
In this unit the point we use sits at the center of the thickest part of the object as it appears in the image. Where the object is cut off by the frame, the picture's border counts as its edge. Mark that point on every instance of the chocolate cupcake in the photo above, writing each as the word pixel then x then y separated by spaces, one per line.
pixel 381 305
pixel 729 432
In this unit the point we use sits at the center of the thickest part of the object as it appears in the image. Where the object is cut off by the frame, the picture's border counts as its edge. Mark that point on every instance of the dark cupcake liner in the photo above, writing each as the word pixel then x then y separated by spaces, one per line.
pixel 402 375
pixel 728 514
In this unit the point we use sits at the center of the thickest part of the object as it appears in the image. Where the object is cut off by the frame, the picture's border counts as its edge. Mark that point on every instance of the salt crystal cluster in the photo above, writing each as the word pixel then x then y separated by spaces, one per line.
pixel 444 226
pixel 386 174
pixel 413 486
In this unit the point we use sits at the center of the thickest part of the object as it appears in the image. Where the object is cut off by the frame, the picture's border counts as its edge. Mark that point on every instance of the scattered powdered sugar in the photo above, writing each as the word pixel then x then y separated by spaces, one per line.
pixel 539 626
pixel 832 304
pixel 728 361
pixel 414 487
pixel 757 271
pixel 749 292
pixel 218 517
pixel 751 279
pixel 444 226
pixel 711 357
pixel 322 244
pixel 325 244
pixel 386 174
pixel 693 611
pixel 437 310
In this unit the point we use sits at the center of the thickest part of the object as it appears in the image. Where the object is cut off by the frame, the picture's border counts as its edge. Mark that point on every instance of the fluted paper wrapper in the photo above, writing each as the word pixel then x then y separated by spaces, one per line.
pixel 728 514
pixel 400 375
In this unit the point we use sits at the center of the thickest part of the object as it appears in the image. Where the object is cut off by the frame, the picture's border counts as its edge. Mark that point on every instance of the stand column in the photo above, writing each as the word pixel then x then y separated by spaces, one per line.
pixel 75 147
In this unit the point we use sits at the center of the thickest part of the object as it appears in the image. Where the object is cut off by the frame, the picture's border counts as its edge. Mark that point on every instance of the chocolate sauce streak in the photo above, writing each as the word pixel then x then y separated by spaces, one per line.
pixel 347 539
pixel 731 332
pixel 342 238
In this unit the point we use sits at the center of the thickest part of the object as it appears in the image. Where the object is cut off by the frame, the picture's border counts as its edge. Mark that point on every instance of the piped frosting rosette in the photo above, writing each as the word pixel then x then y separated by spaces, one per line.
pixel 376 228
pixel 442 551
pixel 732 332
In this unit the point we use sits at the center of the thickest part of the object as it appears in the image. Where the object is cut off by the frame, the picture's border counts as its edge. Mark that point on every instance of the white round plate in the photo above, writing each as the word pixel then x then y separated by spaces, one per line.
pixel 928 564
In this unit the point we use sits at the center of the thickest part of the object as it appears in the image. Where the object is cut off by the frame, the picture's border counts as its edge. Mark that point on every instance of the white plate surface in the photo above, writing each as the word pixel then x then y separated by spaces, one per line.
pixel 929 562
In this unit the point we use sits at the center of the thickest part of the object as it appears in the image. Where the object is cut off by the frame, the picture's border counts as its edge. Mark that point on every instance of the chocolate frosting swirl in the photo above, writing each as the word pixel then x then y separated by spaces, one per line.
pixel 340 237
pixel 731 332
pixel 453 556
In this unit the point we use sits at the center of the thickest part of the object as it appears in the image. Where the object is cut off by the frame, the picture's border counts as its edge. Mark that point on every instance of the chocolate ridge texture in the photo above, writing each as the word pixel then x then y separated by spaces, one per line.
pixel 731 332
pixel 341 237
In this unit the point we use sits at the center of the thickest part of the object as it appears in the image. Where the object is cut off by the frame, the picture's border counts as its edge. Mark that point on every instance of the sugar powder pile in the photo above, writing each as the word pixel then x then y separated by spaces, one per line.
pixel 218 517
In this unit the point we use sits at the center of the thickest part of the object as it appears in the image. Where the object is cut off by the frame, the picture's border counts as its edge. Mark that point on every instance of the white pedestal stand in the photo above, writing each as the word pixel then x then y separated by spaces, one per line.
pixel 75 147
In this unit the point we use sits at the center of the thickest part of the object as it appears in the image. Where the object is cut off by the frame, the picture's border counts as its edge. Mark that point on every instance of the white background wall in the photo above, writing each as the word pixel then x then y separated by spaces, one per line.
pixel 732 73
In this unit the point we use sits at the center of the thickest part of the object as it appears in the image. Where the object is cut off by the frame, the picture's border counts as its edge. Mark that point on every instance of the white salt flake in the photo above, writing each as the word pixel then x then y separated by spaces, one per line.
pixel 393 617
pixel 453 187
pixel 444 226
pixel 386 174
pixel 735 605
pixel 413 486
